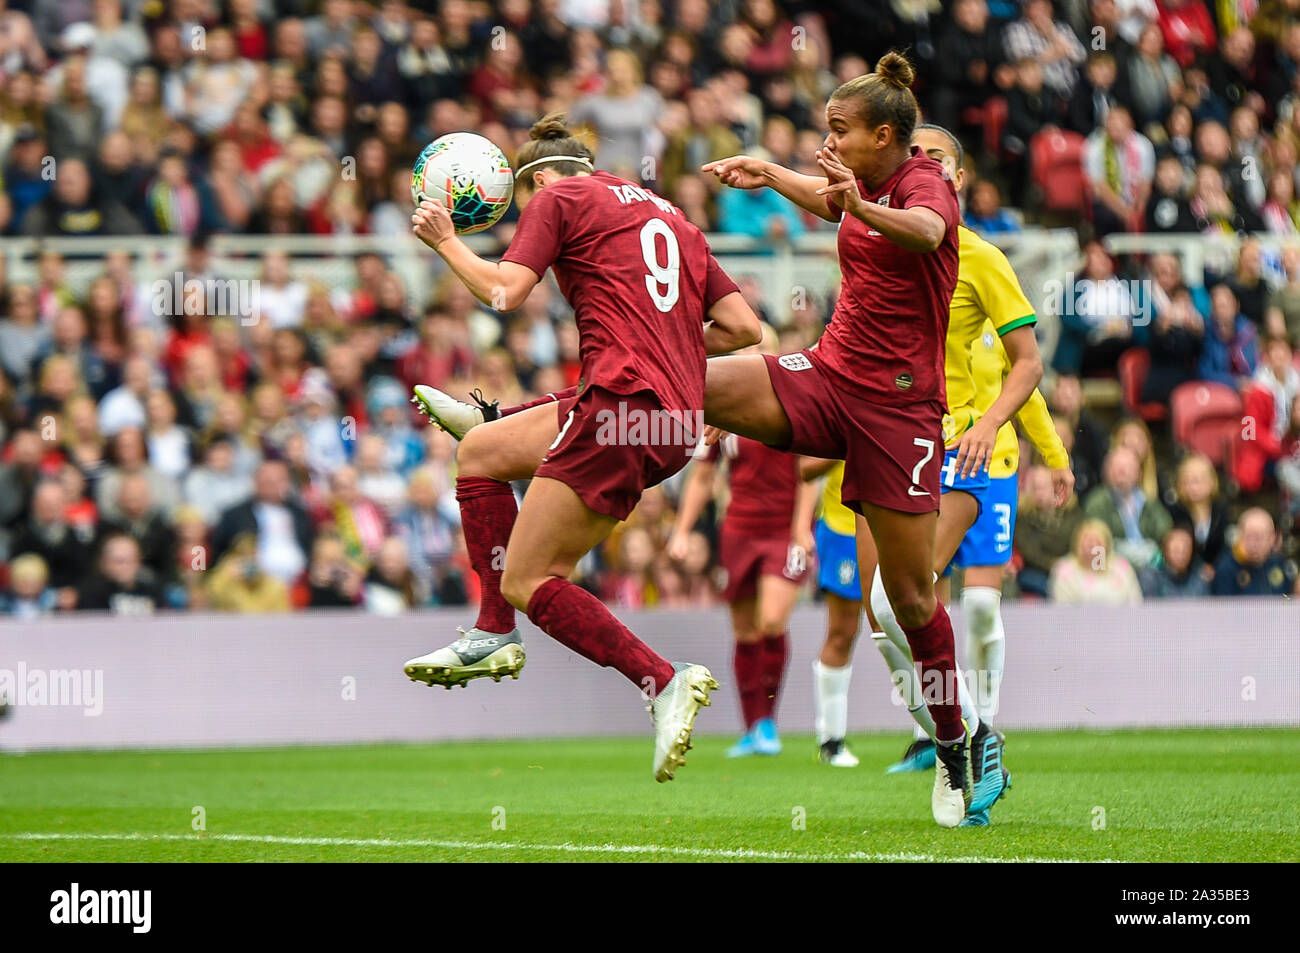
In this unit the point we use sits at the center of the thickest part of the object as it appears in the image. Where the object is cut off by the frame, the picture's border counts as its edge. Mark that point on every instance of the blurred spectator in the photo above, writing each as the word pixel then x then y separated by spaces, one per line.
pixel 1230 350
pixel 215 485
pixel 18 480
pixel 281 526
pixel 74 207
pixel 238 583
pixel 123 406
pixel 1175 345
pixel 1252 567
pixel 1050 42
pixel 968 53
pixel 984 212
pixel 704 139
pixel 359 522
pixel 1181 574
pixel 1094 574
pixel 390 584
pixel 1168 209
pixel 28 596
pixel 128 456
pixel 1247 282
pixel 1088 443
pixel 135 515
pixel 1198 507
pixel 428 524
pixel 1120 164
pixel 1150 76
pixel 622 116
pixel 169 444
pixel 332 580
pixel 1097 318
pixel 22 334
pixel 1268 401
pixel 1282 312
pixel 64 553
pixel 1188 30
pixel 121 585
pixel 1136 521
pixel 1043 530
pixel 1093 98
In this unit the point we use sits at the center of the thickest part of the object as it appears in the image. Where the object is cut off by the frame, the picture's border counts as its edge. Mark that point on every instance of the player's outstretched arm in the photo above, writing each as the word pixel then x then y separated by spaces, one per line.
pixel 976 446
pixel 502 286
pixel 1036 421
pixel 747 172
pixel 695 495
pixel 732 325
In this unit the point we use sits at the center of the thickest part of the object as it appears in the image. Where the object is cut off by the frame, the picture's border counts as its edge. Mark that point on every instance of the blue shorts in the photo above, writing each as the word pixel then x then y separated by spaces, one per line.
pixel 837 562
pixel 977 484
pixel 988 542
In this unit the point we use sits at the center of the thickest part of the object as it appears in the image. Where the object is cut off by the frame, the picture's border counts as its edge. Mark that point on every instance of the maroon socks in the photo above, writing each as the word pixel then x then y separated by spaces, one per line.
pixel 758 667
pixel 487 515
pixel 747 663
pixel 775 652
pixel 578 620
pixel 536 401
pixel 934 651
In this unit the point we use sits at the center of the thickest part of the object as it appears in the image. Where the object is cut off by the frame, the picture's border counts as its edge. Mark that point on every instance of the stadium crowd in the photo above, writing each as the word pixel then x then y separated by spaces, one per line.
pixel 203 461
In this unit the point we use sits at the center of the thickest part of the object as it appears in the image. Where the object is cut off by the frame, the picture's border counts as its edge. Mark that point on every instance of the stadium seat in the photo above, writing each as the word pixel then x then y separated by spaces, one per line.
pixel 1056 167
pixel 1133 366
pixel 1206 418
pixel 994 121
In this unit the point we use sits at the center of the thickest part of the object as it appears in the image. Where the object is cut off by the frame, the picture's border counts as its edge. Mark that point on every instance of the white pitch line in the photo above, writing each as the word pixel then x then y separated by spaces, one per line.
pixel 708 853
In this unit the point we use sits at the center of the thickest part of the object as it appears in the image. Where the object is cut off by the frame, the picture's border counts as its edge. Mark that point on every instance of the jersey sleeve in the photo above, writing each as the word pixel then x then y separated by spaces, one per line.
pixel 539 234
pixel 1036 420
pixel 717 283
pixel 930 189
pixel 998 291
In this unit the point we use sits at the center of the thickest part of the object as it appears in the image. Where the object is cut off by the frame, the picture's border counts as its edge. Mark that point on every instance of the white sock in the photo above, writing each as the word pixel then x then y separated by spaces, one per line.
pixel 986 645
pixel 831 694
pixel 902 672
pixel 884 613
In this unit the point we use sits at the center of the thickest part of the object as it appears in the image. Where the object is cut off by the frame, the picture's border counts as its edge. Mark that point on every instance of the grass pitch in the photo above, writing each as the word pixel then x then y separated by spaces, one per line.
pixel 1130 796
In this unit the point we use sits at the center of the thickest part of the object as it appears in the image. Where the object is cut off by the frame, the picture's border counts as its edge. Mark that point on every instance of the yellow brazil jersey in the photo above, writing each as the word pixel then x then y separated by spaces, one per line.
pixel 987 290
pixel 990 365
pixel 838 517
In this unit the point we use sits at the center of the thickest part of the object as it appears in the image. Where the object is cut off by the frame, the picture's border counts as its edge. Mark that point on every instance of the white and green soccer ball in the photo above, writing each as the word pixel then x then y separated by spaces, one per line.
pixel 469 175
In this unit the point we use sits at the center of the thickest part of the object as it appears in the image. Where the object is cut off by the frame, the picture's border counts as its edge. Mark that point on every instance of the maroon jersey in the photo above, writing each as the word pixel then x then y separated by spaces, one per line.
pixel 764 485
pixel 885 341
pixel 640 279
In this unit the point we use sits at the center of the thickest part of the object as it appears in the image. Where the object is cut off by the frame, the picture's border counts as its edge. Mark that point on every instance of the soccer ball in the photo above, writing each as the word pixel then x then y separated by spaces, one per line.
pixel 469 175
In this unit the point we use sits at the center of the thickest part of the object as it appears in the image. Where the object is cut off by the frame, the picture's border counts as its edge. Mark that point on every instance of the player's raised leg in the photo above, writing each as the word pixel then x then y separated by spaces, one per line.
pixel 487 459
pixel 554 530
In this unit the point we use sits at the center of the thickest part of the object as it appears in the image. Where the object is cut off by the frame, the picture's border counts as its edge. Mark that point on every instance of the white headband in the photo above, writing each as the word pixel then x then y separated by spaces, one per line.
pixel 583 160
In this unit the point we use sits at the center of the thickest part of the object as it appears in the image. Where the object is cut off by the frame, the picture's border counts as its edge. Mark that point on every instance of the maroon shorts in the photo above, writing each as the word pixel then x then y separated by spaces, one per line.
pixel 612 447
pixel 892 455
pixel 746 556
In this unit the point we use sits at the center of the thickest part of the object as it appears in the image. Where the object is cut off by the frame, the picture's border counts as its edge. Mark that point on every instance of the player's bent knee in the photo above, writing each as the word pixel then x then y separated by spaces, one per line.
pixel 518 588
pixel 474 454
pixel 912 607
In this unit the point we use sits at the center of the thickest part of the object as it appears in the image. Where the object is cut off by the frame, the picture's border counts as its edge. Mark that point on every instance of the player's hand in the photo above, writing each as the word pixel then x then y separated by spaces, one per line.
pixel 677 547
pixel 712 435
pixel 975 448
pixel 431 223
pixel 1062 485
pixel 739 172
pixel 841 183
pixel 802 538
